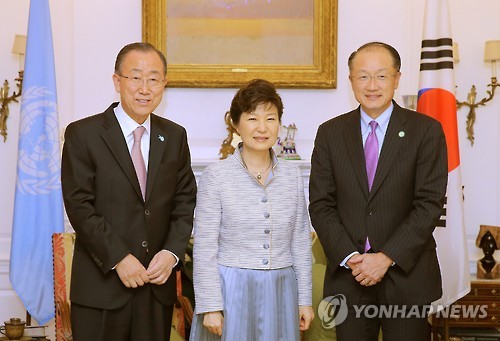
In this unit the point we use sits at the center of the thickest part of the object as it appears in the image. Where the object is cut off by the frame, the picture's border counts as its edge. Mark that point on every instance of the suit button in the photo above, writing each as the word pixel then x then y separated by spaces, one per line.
pixel 264 199
pixel 266 215
pixel 265 246
pixel 265 261
pixel 146 212
pixel 361 241
pixel 370 212
pixel 144 244
pixel 267 231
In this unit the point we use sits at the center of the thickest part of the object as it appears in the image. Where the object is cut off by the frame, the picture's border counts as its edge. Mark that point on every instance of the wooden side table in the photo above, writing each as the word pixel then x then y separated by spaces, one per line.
pixel 484 293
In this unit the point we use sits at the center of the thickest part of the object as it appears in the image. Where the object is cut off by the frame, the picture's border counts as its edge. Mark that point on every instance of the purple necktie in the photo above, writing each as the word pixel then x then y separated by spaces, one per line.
pixel 371 158
pixel 138 160
pixel 371 154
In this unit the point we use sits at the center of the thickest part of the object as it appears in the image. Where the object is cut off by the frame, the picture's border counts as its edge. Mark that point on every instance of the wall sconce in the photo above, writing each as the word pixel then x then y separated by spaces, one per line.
pixel 491 54
pixel 20 49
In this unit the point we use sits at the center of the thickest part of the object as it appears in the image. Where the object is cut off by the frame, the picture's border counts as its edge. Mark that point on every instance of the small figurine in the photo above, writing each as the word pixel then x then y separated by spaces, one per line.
pixel 286 145
pixel 489 246
pixel 488 239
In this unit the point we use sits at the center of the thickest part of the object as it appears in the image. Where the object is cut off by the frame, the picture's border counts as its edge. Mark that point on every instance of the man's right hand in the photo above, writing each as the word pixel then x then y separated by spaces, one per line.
pixel 369 268
pixel 214 321
pixel 354 261
pixel 131 272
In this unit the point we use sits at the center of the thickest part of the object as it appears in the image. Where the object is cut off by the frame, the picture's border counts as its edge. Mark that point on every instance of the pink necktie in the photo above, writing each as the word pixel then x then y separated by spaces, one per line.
pixel 138 160
pixel 371 158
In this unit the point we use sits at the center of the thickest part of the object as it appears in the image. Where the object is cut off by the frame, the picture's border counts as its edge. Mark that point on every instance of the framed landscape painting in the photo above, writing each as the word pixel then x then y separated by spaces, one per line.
pixel 224 43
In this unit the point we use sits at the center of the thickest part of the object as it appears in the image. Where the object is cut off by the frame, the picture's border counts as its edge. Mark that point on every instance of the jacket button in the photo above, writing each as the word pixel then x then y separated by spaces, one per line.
pixel 265 261
pixel 144 244
pixel 146 212
pixel 266 215
pixel 361 241
pixel 266 246
pixel 370 212
pixel 267 231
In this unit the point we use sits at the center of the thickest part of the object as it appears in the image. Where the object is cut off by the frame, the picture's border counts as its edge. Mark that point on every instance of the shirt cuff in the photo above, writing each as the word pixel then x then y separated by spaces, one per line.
pixel 344 262
pixel 173 254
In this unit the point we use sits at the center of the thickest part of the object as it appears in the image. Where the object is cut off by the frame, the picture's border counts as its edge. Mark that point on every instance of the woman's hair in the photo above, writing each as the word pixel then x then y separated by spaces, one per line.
pixel 255 92
pixel 142 47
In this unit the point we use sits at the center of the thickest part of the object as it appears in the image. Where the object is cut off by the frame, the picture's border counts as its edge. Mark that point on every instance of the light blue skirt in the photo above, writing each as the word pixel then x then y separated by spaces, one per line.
pixel 259 305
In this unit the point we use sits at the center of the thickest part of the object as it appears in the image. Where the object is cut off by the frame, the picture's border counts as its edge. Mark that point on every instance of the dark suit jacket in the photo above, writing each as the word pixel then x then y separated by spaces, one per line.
pixel 105 206
pixel 398 215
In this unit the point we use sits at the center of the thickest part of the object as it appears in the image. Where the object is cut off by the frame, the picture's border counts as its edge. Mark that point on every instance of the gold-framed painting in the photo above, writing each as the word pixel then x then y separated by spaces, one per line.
pixel 225 43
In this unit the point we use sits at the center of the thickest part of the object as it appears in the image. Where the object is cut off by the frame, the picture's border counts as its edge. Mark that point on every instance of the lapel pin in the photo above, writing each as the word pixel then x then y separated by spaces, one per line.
pixel 161 138
pixel 401 134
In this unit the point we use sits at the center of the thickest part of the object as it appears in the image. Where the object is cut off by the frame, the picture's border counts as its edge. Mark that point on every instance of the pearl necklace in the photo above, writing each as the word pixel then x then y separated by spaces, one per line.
pixel 259 174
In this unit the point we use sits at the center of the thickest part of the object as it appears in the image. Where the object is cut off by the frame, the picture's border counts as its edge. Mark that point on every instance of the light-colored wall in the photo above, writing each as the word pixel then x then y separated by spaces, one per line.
pixel 88 34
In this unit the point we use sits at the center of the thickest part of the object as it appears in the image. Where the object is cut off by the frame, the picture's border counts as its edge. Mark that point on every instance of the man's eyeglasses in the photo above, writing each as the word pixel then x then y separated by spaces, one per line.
pixel 138 81
pixel 364 79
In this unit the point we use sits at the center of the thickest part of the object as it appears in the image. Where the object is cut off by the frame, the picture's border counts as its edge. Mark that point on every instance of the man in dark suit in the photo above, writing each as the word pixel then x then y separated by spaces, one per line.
pixel 129 192
pixel 376 192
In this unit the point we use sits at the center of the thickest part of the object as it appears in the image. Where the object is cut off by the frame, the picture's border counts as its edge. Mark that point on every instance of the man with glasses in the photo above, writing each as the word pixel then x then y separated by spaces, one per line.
pixel 129 193
pixel 377 188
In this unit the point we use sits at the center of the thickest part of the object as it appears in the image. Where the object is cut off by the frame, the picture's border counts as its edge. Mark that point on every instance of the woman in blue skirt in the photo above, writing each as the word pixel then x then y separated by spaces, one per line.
pixel 252 246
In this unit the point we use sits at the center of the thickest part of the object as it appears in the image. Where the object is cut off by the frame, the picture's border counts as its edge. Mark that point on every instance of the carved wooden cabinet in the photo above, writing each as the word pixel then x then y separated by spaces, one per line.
pixel 478 309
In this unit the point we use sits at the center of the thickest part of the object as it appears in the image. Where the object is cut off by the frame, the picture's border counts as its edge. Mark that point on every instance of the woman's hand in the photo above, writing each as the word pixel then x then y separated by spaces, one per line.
pixel 306 314
pixel 214 321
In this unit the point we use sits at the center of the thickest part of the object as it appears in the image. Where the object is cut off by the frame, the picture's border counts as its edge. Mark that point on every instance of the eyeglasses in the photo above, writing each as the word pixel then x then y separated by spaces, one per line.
pixel 364 79
pixel 138 81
